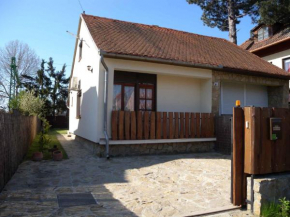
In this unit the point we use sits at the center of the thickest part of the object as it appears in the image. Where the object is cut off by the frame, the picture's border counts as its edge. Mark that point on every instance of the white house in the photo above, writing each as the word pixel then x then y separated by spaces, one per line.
pixel 272 43
pixel 141 89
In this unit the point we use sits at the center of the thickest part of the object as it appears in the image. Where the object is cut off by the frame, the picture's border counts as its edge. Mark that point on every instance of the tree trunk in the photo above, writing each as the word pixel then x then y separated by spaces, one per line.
pixel 232 22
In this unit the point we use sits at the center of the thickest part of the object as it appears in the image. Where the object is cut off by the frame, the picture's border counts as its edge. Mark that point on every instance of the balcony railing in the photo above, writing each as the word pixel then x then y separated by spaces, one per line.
pixel 139 125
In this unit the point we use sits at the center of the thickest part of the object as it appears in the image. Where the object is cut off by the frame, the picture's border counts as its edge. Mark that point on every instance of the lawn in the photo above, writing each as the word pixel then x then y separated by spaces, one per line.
pixel 54 141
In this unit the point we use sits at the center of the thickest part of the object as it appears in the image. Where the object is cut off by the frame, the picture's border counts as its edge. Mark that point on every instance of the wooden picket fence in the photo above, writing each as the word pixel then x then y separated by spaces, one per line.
pixel 126 125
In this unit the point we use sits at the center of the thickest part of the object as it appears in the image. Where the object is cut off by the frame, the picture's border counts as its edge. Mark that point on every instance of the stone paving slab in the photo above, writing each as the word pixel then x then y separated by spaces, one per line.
pixel 164 185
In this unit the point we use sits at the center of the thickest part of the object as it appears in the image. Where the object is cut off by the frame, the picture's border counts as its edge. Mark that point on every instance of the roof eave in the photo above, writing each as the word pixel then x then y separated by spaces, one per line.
pixel 195 65
pixel 158 60
pixel 269 45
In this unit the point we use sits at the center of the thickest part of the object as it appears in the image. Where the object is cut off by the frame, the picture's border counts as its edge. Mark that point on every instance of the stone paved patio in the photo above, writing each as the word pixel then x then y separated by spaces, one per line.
pixel 166 185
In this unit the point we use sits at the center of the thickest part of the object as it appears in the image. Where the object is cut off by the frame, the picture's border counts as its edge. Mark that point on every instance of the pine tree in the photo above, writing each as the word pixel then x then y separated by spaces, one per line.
pixel 273 11
pixel 40 85
pixel 58 93
pixel 225 14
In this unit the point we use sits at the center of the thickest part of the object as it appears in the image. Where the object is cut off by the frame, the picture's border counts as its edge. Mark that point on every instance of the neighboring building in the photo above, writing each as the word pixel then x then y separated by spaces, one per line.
pixel 272 43
pixel 162 70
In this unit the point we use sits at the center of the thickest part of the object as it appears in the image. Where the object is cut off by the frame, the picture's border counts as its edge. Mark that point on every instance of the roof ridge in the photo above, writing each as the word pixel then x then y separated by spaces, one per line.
pixel 158 27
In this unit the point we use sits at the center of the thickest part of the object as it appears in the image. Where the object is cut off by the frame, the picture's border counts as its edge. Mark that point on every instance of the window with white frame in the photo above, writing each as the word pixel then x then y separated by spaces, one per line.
pixel 263 33
pixel 286 64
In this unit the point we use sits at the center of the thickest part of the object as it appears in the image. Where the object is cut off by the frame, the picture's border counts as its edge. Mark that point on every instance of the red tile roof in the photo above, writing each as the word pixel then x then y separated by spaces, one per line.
pixel 153 42
pixel 252 45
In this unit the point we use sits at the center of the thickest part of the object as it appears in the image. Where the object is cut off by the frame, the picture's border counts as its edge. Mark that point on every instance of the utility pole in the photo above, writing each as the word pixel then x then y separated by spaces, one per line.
pixel 13 80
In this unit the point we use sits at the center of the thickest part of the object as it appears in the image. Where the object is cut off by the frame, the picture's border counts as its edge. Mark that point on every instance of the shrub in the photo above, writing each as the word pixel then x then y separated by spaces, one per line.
pixel 30 104
pixel 27 103
pixel 282 209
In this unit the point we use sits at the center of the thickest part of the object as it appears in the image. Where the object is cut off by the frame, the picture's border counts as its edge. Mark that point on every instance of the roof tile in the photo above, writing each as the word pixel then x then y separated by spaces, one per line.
pixel 252 44
pixel 126 38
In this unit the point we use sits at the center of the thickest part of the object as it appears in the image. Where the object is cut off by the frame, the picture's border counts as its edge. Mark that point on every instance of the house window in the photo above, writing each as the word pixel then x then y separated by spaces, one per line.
pixel 80 49
pixel 263 33
pixel 124 97
pixel 286 64
pixel 146 97
pixel 134 91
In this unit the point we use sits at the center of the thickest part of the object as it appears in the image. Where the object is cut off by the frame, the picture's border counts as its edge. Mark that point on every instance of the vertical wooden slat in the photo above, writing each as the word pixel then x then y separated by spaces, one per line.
pixel 181 133
pixel 239 178
pixel 164 126
pixel 252 140
pixel 256 138
pixel 114 124
pixel 158 125
pixel 127 125
pixel 186 125
pixel 152 125
pixel 197 116
pixel 281 143
pixel 266 142
pixel 171 127
pixel 133 125
pixel 192 125
pixel 121 125
pixel 208 126
pixel 146 125
pixel 139 125
pixel 203 125
pixel 176 125
pixel 247 139
pixel 287 130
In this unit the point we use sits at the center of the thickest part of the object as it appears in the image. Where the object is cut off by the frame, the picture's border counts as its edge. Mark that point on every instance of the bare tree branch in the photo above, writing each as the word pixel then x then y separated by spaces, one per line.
pixel 26 60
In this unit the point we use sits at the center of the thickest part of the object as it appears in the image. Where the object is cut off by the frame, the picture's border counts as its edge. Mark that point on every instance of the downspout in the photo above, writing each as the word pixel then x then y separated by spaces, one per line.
pixel 106 105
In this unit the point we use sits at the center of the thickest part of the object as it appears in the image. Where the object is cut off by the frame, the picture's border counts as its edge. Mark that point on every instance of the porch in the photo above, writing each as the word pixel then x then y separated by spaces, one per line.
pixel 149 132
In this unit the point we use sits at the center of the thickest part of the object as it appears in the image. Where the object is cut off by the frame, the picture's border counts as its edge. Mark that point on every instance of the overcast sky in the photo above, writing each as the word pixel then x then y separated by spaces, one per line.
pixel 42 24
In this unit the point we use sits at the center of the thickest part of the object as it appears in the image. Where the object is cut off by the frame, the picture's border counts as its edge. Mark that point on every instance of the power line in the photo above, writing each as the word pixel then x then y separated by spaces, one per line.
pixel 81 6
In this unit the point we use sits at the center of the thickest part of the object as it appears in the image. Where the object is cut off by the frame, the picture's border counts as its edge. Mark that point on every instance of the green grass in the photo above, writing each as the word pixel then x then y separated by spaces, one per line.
pixel 271 210
pixel 54 141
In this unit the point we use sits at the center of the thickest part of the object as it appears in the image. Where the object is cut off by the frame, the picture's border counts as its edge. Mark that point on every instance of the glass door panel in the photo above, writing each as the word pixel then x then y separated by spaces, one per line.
pixel 117 98
pixel 129 98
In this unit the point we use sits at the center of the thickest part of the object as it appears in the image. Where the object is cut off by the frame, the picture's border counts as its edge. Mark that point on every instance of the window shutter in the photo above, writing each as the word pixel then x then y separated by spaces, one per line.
pixel 78 115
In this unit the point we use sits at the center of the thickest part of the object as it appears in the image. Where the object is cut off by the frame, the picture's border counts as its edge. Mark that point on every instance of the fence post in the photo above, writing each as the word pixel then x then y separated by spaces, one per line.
pixel 239 178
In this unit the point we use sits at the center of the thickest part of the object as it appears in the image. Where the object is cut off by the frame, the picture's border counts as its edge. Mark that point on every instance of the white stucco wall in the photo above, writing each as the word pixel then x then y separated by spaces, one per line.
pixel 182 94
pixel 180 89
pixel 276 58
pixel 87 126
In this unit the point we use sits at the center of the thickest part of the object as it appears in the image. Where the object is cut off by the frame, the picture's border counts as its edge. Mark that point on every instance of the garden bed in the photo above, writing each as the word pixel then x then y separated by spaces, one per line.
pixel 52 134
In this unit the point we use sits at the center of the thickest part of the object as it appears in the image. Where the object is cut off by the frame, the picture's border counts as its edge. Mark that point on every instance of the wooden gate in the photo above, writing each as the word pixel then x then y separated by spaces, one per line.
pixel 254 150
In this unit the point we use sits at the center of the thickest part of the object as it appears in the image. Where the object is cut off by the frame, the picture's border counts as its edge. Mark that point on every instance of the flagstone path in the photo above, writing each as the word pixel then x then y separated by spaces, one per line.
pixel 165 185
